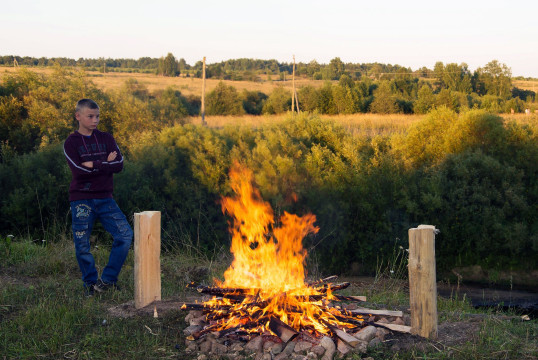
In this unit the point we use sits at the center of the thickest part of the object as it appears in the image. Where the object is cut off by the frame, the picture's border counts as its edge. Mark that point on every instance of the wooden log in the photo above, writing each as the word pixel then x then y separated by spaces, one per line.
pixel 321 281
pixel 147 263
pixel 333 287
pixel 422 281
pixel 282 330
pixel 351 340
pixel 225 291
pixel 394 327
pixel 324 296
pixel 202 306
pixel 364 311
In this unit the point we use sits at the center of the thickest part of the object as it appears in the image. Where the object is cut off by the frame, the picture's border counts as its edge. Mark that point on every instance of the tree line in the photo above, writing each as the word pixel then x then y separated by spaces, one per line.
pixel 471 174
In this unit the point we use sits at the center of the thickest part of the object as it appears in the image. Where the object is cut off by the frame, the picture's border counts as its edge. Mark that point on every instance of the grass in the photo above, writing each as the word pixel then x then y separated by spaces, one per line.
pixel 43 313
pixel 186 85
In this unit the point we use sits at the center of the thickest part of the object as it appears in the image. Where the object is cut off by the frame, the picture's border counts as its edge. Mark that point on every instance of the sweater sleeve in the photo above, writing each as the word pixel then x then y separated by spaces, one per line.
pixel 73 159
pixel 114 166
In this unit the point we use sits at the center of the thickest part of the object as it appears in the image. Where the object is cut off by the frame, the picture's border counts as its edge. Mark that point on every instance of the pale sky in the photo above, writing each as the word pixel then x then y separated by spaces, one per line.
pixel 408 33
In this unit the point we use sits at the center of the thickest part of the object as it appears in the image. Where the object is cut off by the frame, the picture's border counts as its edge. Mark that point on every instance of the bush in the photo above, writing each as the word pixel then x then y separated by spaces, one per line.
pixel 224 100
pixel 278 102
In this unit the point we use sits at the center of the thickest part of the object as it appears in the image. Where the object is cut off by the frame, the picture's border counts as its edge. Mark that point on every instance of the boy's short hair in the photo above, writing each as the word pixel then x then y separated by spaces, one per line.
pixel 86 103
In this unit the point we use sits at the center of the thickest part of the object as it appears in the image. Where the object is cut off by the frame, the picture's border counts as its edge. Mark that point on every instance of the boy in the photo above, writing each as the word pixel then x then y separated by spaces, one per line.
pixel 94 157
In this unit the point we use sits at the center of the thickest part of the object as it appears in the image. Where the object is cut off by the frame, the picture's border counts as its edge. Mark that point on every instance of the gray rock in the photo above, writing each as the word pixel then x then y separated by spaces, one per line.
pixel 189 330
pixel 191 347
pixel 302 346
pixel 374 342
pixel 237 347
pixel 312 355
pixel 318 350
pixel 277 348
pixel 361 347
pixel 255 345
pixel 205 347
pixel 218 349
pixel 198 321
pixel 366 334
pixel 267 346
pixel 285 354
pixel 329 346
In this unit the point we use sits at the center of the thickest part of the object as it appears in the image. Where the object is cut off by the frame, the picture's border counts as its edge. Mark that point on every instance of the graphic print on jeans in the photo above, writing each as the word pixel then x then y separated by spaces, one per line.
pixel 84 213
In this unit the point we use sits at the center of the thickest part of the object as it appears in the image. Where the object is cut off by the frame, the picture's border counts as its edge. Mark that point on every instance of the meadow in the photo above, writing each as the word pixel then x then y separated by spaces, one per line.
pixel 367 177
pixel 44 315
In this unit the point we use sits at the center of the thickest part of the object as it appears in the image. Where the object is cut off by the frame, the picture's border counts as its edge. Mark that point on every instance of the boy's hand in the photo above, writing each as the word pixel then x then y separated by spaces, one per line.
pixel 112 156
pixel 88 164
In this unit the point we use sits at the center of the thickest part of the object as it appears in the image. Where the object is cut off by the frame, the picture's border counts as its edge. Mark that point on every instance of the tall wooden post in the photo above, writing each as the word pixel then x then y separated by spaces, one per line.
pixel 422 281
pixel 202 110
pixel 293 85
pixel 147 262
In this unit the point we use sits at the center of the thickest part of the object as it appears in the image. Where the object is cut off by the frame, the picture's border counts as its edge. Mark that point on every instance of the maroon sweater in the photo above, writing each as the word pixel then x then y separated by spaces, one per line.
pixel 96 182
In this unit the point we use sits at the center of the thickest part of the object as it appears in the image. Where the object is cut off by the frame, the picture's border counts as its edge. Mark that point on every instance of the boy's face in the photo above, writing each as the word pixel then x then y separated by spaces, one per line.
pixel 88 119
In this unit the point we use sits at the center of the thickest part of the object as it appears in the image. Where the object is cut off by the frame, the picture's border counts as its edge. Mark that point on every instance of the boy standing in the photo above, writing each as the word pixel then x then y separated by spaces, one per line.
pixel 93 158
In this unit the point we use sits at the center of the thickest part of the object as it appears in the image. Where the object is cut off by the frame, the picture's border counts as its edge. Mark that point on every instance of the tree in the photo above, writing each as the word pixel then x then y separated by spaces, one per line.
pixel 168 66
pixel 425 100
pixel 278 102
pixel 384 101
pixel 336 68
pixel 224 100
pixel 495 79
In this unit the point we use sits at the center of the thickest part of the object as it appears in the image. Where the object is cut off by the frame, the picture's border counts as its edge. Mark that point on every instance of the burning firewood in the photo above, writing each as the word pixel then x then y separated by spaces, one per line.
pixel 264 292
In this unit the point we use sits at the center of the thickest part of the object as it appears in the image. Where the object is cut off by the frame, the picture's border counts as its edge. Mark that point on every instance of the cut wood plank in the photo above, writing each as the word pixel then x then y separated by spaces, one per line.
pixel 422 281
pixel 147 262
pixel 395 327
pixel 364 311
pixel 282 330
pixel 351 340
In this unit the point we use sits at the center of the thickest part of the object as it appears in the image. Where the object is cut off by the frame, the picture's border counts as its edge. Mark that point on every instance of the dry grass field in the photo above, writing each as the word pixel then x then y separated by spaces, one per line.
pixel 366 124
pixel 186 85
pixel 193 86
pixel 371 124
pixel 531 85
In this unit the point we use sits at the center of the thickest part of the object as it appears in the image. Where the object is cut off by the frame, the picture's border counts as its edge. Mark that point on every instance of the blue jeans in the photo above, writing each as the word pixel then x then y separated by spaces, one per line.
pixel 84 213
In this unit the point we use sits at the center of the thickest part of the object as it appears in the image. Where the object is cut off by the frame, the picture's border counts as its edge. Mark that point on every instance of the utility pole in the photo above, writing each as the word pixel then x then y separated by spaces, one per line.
pixel 293 85
pixel 202 110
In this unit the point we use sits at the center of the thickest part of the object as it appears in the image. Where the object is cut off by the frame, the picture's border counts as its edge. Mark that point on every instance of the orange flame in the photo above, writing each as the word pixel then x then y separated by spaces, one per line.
pixel 265 256
pixel 269 262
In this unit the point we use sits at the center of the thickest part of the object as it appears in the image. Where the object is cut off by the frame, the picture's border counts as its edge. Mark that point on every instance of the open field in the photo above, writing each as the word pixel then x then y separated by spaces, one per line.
pixel 531 85
pixel 193 86
pixel 187 85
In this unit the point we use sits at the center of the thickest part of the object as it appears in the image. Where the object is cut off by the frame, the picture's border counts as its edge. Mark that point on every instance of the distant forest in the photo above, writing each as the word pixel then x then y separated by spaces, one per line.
pixel 236 69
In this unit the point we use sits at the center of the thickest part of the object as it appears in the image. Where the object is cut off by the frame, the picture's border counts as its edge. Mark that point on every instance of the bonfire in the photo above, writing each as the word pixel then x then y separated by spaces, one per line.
pixel 265 291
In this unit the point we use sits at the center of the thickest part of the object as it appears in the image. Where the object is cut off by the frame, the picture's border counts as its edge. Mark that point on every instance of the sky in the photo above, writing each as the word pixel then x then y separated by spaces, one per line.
pixel 408 33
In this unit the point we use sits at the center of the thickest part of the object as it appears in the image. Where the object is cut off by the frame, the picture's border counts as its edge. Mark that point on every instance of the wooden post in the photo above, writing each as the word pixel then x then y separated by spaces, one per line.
pixel 147 262
pixel 293 85
pixel 202 109
pixel 422 281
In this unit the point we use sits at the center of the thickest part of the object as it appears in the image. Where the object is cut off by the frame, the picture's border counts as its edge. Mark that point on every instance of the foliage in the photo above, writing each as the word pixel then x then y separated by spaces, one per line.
pixel 224 100
pixel 168 66
pixel 278 102
pixel 384 101
pixel 468 172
